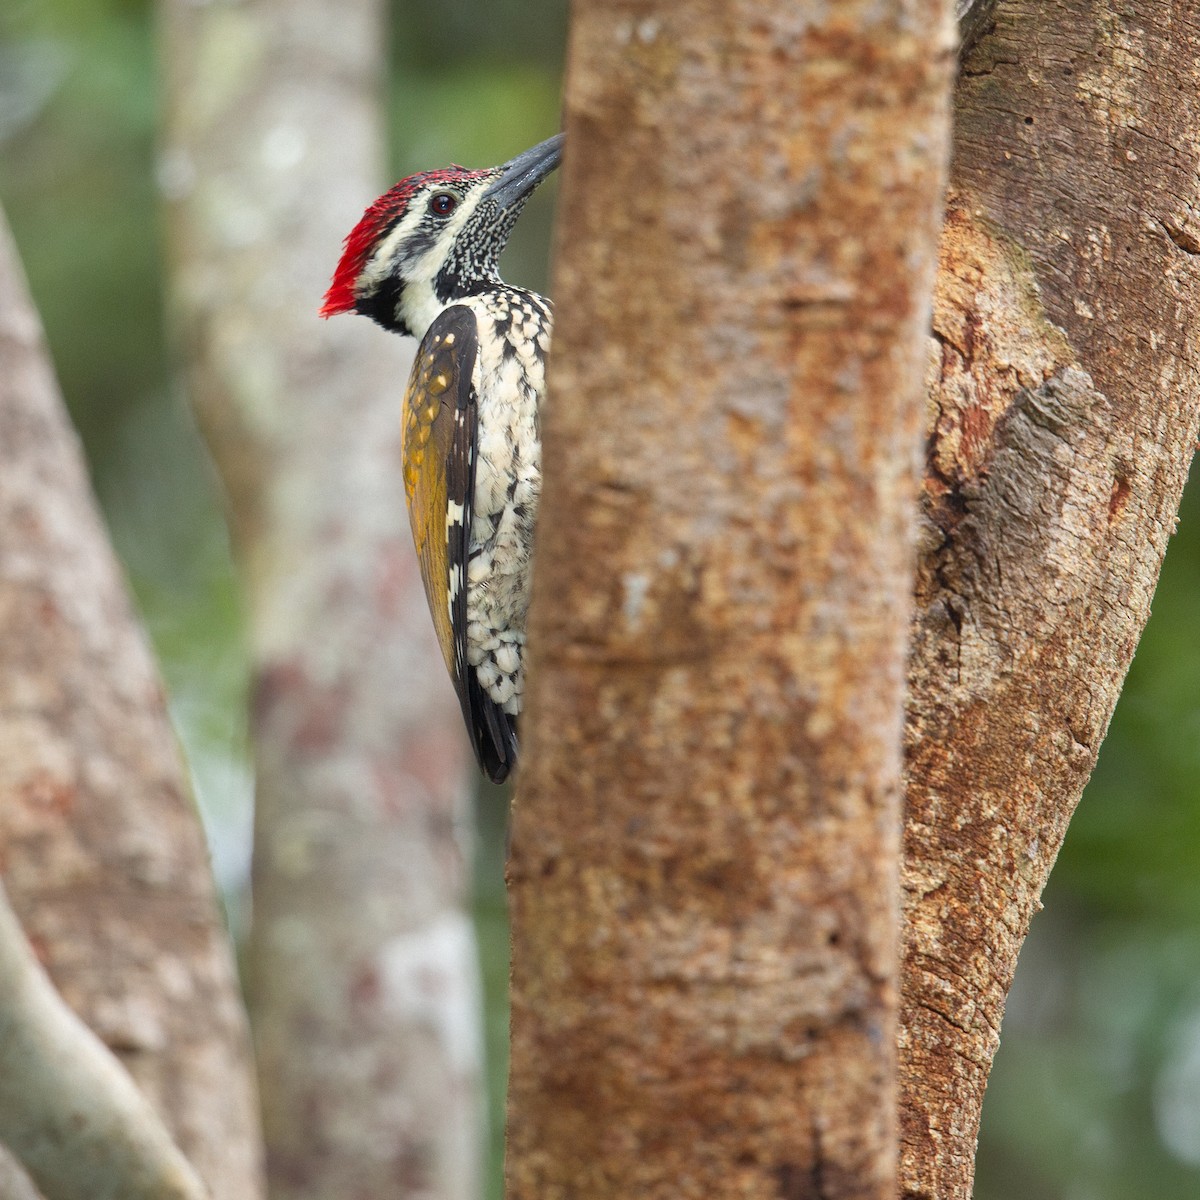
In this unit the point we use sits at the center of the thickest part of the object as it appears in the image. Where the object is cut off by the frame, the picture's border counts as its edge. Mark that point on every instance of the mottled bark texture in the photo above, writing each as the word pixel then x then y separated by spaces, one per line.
pixel 101 850
pixel 362 967
pixel 1062 416
pixel 705 848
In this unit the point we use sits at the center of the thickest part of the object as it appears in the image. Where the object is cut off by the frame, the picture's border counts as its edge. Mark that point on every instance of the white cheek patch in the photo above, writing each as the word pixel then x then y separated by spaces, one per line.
pixel 431 261
pixel 379 265
pixel 419 304
pixel 389 253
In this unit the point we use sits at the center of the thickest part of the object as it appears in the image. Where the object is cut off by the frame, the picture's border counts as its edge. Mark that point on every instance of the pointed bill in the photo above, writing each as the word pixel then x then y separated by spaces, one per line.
pixel 520 175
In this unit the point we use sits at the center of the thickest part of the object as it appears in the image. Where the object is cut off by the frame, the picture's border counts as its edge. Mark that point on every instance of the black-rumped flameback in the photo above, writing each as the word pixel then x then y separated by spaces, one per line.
pixel 423 262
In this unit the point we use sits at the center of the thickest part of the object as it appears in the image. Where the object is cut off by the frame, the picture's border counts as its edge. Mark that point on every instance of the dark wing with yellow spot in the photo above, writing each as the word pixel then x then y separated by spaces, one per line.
pixel 440 425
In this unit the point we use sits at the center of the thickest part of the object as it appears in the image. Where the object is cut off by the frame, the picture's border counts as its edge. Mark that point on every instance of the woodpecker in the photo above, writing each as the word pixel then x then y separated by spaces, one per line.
pixel 422 262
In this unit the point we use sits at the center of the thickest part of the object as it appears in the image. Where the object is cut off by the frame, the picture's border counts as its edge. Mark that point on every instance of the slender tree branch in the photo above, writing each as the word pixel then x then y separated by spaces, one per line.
pixel 15 1183
pixel 68 1109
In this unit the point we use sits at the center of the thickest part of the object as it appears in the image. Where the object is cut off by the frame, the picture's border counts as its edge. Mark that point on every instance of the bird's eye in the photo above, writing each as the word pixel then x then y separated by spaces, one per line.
pixel 442 204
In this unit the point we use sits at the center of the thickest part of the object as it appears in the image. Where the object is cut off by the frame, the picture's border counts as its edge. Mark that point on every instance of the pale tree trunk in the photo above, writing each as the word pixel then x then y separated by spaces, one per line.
pixel 363 978
pixel 705 850
pixel 102 853
pixel 1064 402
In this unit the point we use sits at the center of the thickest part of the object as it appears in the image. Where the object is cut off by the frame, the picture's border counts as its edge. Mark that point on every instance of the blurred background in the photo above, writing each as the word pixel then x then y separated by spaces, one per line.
pixel 1096 1090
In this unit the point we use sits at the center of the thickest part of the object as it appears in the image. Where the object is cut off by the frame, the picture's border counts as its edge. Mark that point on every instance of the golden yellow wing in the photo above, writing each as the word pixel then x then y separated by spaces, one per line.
pixel 438 455
pixel 440 430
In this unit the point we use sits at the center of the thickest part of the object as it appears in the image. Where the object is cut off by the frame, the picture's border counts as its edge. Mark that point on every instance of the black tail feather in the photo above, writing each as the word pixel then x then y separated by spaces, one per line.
pixel 493 733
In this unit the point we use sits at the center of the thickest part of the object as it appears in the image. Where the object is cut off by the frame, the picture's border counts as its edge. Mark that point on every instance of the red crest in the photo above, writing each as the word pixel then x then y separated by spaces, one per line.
pixel 376 222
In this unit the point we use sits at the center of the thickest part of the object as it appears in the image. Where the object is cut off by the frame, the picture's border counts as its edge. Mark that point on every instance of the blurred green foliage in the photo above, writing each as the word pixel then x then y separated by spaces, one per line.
pixel 1096 1091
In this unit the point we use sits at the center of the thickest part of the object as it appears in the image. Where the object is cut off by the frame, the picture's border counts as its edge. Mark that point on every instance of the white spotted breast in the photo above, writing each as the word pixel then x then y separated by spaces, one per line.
pixel 509 384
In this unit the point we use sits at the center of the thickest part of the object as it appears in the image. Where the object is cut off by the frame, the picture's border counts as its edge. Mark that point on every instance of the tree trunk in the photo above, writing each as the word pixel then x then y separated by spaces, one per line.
pixel 363 975
pixel 102 853
pixel 1063 410
pixel 705 852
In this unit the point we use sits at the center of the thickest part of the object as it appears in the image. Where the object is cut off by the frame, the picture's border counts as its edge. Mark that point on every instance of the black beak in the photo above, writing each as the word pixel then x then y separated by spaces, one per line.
pixel 520 175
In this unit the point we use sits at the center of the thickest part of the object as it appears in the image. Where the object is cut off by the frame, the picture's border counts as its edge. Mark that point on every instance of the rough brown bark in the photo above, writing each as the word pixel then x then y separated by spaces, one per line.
pixel 362 963
pixel 704 864
pixel 1063 407
pixel 101 850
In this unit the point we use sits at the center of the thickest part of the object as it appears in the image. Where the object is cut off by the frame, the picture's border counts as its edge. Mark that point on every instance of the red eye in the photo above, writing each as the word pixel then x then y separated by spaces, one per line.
pixel 443 203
